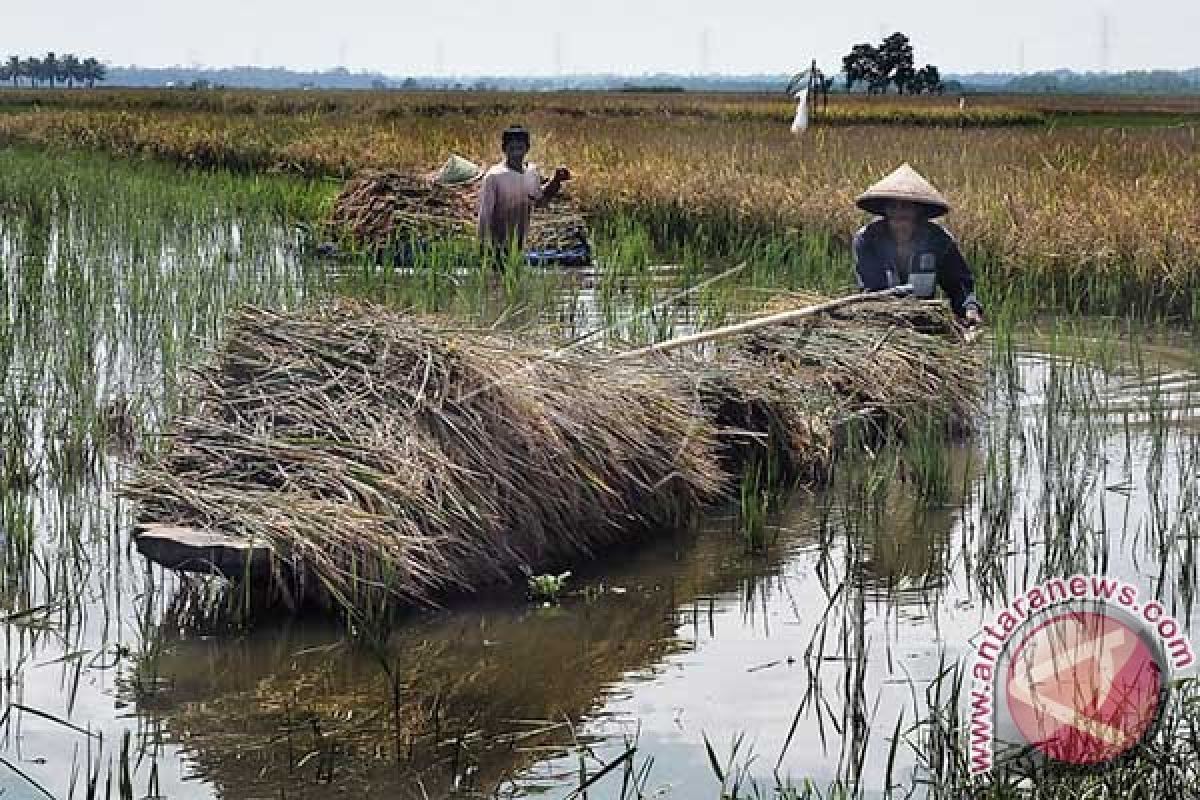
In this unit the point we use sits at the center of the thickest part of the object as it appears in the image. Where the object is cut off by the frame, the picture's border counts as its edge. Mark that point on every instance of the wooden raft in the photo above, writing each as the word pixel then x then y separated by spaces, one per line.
pixel 205 552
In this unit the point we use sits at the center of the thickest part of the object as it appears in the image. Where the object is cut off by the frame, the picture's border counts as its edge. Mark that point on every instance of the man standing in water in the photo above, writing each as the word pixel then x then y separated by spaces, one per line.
pixel 510 191
pixel 906 247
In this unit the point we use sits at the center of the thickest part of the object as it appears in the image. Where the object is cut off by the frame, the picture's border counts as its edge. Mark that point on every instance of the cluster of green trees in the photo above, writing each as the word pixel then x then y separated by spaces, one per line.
pixel 52 70
pixel 890 63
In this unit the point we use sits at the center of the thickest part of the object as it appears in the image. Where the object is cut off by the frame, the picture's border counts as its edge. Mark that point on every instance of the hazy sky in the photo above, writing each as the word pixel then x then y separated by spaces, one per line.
pixel 552 36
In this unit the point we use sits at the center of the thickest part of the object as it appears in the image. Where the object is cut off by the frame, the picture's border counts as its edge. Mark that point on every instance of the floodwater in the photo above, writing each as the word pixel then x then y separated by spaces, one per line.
pixel 800 663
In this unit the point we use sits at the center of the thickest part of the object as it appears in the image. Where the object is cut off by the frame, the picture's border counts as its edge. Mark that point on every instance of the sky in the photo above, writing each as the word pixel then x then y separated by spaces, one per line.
pixel 551 37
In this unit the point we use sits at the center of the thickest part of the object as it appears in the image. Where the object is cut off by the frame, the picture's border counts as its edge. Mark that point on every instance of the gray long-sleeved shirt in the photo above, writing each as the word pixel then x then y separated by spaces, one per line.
pixel 875 262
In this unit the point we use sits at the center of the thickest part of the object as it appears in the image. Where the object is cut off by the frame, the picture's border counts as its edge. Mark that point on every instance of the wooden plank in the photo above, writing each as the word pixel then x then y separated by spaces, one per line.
pixel 207 552
pixel 781 318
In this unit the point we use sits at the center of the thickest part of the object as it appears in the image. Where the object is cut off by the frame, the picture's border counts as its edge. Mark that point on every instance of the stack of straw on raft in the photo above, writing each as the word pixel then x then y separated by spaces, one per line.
pixel 378 208
pixel 388 459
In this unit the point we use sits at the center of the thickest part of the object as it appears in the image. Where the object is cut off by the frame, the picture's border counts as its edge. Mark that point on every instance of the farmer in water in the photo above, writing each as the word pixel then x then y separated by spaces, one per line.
pixel 510 191
pixel 905 247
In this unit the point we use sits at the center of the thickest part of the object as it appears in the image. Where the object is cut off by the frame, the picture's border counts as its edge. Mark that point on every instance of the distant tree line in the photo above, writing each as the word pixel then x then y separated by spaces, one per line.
pixel 890 63
pixel 1134 82
pixel 869 71
pixel 341 78
pixel 52 70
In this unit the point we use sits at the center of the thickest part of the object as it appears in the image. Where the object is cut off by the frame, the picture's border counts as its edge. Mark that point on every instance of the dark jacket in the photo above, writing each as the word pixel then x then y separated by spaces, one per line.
pixel 875 262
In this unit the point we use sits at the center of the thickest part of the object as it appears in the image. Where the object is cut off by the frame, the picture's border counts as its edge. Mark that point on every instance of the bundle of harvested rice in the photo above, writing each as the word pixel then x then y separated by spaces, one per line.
pixel 381 207
pixel 883 367
pixel 392 461
pixel 378 206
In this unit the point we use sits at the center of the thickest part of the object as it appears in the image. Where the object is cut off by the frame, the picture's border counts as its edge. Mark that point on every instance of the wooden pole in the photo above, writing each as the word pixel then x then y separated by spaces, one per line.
pixel 812 85
pixel 758 323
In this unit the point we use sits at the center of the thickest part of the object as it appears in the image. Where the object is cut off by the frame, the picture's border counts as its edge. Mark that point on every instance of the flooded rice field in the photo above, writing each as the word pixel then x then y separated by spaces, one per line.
pixel 688 666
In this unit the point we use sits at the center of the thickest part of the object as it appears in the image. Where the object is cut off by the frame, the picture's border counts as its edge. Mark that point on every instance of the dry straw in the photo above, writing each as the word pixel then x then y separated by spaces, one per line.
pixel 383 207
pixel 389 460
pixel 340 439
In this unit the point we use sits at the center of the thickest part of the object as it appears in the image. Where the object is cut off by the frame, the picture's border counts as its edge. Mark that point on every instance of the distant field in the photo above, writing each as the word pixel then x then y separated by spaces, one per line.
pixel 980 108
pixel 934 111
pixel 1100 213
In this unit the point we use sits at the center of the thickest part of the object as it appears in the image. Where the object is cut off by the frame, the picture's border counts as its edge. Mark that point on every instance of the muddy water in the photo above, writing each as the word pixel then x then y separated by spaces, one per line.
pixel 1087 459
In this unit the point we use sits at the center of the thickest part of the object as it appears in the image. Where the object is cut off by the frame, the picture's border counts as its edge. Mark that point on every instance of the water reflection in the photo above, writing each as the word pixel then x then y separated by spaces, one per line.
pixel 480 696
pixel 479 693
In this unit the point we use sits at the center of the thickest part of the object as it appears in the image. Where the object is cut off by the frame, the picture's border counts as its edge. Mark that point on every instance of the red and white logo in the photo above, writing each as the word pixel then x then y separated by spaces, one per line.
pixel 1084 687
pixel 1074 670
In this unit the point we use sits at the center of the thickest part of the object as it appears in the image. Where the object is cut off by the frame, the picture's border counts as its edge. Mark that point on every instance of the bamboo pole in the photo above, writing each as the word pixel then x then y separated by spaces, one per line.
pixel 781 318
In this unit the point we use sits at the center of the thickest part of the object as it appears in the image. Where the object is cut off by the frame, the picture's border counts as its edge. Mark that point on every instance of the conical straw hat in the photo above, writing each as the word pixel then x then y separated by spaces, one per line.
pixel 904 184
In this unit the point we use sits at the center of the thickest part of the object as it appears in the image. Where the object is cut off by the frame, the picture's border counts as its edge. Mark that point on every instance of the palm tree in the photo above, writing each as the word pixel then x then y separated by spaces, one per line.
pixel 72 69
pixel 32 69
pixel 51 67
pixel 14 69
pixel 93 71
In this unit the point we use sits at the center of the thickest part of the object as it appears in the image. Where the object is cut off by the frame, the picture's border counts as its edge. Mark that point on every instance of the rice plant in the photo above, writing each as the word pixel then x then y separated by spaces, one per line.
pixel 1046 213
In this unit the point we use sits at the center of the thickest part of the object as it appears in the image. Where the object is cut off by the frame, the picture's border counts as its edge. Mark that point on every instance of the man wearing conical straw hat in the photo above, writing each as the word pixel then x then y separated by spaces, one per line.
pixel 905 246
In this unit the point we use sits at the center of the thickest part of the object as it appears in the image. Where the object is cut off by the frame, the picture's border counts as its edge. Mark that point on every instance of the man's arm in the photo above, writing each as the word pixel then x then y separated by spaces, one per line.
pixel 955 278
pixel 487 209
pixel 872 277
pixel 553 186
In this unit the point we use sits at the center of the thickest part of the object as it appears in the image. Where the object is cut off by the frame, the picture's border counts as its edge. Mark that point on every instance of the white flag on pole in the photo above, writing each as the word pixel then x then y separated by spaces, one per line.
pixel 800 123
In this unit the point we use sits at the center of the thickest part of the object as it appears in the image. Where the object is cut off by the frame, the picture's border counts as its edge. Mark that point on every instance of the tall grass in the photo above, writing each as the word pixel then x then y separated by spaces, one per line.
pixel 578 104
pixel 111 278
